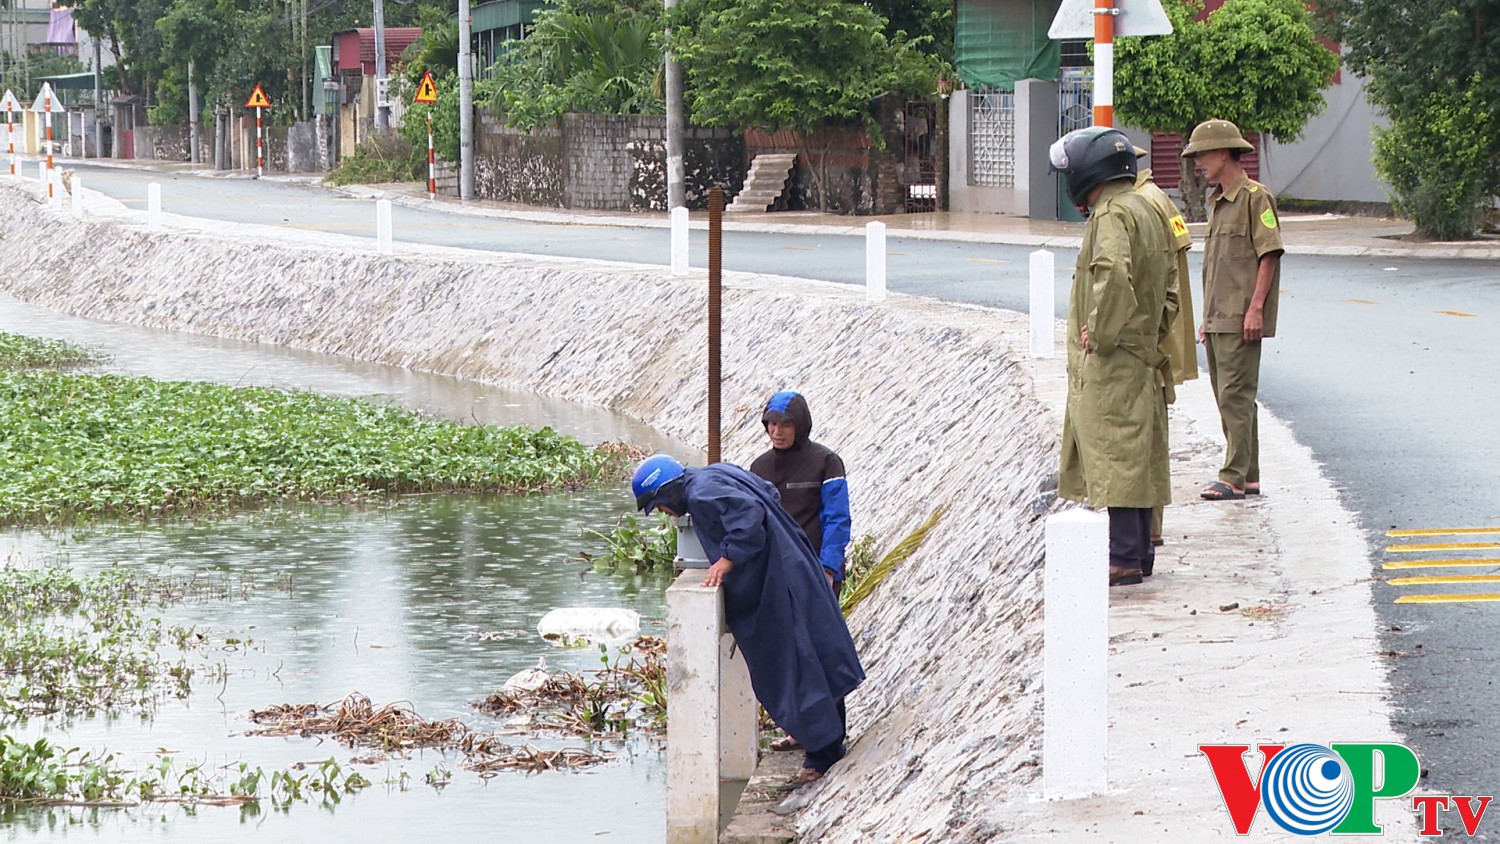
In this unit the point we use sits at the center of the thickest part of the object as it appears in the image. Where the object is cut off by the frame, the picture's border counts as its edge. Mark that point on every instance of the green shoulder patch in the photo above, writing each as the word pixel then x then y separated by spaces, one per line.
pixel 1268 218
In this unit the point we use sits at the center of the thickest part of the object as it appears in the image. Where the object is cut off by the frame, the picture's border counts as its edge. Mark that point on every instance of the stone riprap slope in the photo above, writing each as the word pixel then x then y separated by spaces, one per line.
pixel 927 403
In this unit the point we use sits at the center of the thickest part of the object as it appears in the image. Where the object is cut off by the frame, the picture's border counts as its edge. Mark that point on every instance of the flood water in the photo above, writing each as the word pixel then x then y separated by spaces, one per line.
pixel 433 603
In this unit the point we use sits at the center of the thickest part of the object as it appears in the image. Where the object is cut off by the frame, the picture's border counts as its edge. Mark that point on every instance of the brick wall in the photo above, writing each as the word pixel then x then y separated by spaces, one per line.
pixel 600 162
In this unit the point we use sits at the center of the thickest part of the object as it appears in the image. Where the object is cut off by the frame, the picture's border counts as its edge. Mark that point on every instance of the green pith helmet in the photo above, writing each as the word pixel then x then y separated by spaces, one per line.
pixel 1215 134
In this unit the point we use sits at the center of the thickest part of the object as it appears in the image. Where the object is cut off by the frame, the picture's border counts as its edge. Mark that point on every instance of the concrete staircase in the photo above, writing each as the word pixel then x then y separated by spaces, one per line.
pixel 767 180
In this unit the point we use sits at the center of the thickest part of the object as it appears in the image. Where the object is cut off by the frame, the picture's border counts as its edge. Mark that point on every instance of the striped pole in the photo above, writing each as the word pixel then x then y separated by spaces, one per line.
pixel 47 107
pixel 10 136
pixel 1104 62
pixel 431 161
pixel 260 155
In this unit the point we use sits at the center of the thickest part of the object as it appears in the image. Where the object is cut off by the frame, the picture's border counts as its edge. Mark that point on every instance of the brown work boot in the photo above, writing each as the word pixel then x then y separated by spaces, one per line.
pixel 1124 576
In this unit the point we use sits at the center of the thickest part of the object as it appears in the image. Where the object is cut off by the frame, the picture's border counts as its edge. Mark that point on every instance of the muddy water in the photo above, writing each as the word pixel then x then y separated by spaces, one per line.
pixel 433 603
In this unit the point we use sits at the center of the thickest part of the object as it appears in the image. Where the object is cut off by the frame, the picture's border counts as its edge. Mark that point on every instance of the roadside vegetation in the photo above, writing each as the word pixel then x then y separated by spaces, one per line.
pixel 18 351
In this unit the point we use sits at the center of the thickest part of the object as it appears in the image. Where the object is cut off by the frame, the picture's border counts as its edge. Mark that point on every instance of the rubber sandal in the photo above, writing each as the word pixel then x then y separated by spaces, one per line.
pixel 1252 490
pixel 1157 542
pixel 803 777
pixel 785 743
pixel 1220 491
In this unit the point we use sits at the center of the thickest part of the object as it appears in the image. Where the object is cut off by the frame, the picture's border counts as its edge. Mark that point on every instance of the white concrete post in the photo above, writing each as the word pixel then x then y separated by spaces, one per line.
pixel 41 174
pixel 153 207
pixel 739 715
pixel 57 189
pixel 1043 276
pixel 875 261
pixel 711 717
pixel 679 241
pixel 1075 676
pixel 383 240
pixel 77 196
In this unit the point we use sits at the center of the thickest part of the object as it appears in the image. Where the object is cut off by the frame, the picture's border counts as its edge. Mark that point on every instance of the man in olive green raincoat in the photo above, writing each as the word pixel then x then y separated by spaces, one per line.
pixel 1124 298
pixel 1181 344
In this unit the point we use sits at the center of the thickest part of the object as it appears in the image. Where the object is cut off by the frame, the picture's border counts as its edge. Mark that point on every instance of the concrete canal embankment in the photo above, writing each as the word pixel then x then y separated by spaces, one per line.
pixel 930 405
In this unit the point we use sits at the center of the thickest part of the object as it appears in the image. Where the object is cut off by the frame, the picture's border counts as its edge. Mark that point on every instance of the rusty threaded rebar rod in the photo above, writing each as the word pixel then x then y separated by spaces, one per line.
pixel 715 300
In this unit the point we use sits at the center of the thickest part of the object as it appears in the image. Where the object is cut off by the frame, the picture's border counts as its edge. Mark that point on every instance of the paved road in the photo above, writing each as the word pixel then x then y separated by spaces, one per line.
pixel 1385 367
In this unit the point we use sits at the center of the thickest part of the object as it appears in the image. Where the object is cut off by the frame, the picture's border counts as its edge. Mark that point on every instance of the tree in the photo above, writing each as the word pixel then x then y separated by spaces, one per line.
pixel 582 57
pixel 1424 61
pixel 1257 63
pixel 918 18
pixel 794 64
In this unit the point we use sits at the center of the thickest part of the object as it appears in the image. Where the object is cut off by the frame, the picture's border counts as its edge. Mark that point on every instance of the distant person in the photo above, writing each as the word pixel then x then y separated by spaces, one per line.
pixel 777 603
pixel 810 478
pixel 1124 297
pixel 1241 281
pixel 1180 345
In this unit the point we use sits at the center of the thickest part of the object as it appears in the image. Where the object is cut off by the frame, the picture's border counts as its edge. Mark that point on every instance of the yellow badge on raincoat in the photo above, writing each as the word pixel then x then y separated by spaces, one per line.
pixel 1179 228
pixel 1268 218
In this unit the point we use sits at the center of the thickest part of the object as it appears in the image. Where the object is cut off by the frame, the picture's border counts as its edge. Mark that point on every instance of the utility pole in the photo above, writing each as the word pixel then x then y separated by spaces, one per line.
pixel 306 115
pixel 98 102
pixel 465 104
pixel 194 153
pixel 382 110
pixel 676 189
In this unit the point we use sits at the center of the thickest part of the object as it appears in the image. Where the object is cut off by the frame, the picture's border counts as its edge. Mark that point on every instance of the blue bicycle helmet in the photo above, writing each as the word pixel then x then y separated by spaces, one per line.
pixel 654 473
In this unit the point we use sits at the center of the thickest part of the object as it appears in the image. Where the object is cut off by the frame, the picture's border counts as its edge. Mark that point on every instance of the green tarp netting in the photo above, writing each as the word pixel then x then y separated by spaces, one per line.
pixel 997 42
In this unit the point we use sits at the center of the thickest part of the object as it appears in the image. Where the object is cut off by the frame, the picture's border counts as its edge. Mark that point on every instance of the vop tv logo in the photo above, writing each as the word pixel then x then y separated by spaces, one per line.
pixel 1310 789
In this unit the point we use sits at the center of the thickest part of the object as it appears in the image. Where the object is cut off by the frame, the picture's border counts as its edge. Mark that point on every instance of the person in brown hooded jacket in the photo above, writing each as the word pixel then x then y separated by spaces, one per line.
pixel 810 478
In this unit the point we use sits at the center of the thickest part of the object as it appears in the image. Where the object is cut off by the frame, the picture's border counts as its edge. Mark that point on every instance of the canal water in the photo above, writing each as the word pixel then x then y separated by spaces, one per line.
pixel 432 603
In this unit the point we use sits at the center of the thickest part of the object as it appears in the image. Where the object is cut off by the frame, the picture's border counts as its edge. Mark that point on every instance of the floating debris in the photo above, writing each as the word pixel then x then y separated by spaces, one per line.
pixel 355 722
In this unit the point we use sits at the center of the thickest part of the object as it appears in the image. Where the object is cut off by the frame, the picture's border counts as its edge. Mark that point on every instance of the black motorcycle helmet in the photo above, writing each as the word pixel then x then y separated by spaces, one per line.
pixel 1089 157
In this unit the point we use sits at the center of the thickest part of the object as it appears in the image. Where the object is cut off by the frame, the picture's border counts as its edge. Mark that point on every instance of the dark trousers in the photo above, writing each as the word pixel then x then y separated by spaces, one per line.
pixel 1130 538
pixel 822 759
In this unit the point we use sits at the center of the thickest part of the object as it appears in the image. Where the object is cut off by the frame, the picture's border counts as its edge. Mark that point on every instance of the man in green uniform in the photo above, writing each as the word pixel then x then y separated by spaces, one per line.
pixel 1241 277
pixel 1114 443
pixel 1180 345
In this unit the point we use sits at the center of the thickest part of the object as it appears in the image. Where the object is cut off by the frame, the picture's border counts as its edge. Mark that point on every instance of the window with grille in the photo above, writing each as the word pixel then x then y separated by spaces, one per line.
pixel 992 138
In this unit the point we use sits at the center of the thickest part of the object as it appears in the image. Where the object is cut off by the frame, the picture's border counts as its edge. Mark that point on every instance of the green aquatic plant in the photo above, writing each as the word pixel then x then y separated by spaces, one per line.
pixel 42 772
pixel 636 545
pixel 78 447
pixel 82 644
pixel 18 351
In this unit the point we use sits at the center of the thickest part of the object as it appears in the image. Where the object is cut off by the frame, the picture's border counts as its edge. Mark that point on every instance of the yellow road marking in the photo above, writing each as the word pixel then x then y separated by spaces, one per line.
pixel 1442 531
pixel 1361 302
pixel 801 248
pixel 1444 578
pixel 1450 546
pixel 985 260
pixel 1437 564
pixel 1454 313
pixel 1447 599
pixel 902 254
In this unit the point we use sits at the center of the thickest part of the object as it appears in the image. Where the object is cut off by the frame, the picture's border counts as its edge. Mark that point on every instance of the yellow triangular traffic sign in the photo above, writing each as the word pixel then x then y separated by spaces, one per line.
pixel 258 99
pixel 427 91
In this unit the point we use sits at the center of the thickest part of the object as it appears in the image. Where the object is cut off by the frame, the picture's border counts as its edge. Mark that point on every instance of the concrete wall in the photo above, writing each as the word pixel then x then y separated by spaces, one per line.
pixel 1035 128
pixel 946 416
pixel 1334 157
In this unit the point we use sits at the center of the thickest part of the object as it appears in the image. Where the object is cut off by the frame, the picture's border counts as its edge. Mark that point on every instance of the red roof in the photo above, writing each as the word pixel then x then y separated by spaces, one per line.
pixel 362 41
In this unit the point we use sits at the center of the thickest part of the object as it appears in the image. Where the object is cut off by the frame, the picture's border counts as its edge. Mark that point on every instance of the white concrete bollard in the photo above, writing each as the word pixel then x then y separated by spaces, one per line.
pixel 679 241
pixel 383 240
pixel 1043 277
pixel 57 190
pixel 875 261
pixel 153 207
pixel 1075 675
pixel 77 196
pixel 711 724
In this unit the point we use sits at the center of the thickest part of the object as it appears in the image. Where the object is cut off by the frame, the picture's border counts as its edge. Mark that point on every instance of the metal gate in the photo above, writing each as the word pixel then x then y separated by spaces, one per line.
pixel 919 159
pixel 1075 99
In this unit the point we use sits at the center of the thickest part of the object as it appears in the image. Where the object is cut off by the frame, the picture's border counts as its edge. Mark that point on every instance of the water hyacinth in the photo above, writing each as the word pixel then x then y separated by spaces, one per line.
pixel 79 446
pixel 17 351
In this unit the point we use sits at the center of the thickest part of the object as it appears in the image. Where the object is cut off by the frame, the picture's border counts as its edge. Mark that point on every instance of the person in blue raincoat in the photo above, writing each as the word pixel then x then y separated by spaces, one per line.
pixel 777 603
